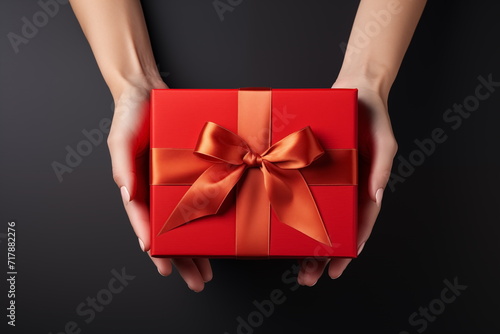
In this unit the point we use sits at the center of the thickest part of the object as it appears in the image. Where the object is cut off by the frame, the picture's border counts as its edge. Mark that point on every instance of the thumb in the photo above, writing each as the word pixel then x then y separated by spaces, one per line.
pixel 384 150
pixel 123 164
pixel 125 176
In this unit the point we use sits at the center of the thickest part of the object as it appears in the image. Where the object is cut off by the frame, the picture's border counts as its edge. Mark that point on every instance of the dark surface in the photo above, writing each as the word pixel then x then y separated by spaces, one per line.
pixel 439 224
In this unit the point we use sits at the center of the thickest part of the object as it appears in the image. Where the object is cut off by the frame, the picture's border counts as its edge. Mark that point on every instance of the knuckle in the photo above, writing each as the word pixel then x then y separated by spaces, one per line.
pixel 395 147
pixel 117 178
pixel 390 144
pixel 112 140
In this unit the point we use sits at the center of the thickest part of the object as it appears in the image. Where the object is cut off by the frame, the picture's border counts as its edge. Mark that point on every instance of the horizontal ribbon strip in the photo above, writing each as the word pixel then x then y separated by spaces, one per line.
pixel 336 167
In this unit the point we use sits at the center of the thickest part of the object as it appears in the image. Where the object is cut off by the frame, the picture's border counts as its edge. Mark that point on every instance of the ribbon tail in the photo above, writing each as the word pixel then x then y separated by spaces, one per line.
pixel 206 195
pixel 293 203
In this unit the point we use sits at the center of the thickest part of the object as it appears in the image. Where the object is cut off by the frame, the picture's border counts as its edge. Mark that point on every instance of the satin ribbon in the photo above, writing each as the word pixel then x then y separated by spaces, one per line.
pixel 286 188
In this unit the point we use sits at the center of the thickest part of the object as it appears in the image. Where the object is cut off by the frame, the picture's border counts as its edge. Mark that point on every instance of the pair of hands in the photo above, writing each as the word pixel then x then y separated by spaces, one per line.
pixel 128 143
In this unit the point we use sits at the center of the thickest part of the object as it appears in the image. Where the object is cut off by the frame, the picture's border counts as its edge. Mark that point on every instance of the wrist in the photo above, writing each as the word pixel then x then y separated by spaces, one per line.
pixel 121 83
pixel 374 77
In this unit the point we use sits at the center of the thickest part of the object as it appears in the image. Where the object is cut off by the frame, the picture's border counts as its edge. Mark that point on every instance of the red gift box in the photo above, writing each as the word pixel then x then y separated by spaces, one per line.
pixel 253 173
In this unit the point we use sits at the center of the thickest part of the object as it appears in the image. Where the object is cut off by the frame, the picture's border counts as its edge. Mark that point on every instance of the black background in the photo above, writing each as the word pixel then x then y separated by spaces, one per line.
pixel 440 223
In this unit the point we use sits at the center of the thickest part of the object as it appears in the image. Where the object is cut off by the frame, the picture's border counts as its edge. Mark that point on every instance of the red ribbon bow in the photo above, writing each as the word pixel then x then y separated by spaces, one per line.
pixel 286 188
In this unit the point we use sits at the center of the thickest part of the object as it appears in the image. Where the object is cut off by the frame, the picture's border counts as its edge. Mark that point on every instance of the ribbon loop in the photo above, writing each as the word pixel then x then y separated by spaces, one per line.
pixel 218 144
pixel 297 150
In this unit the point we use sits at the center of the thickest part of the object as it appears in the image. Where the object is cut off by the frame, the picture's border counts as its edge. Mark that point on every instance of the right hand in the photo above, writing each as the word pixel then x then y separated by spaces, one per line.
pixel 128 144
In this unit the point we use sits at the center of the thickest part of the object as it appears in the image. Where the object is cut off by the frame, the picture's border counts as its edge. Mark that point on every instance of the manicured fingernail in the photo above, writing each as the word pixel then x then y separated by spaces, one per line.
pixel 378 196
pixel 125 195
pixel 141 244
pixel 360 248
pixel 337 276
pixel 197 291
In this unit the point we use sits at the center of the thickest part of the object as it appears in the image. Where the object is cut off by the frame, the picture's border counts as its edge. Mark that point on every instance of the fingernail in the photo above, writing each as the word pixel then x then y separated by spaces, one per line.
pixel 360 248
pixel 141 244
pixel 160 272
pixel 197 291
pixel 313 284
pixel 125 195
pixel 378 196
pixel 337 276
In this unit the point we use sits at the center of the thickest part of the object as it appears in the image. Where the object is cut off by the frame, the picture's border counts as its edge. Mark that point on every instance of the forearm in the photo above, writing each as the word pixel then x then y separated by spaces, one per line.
pixel 117 34
pixel 379 38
